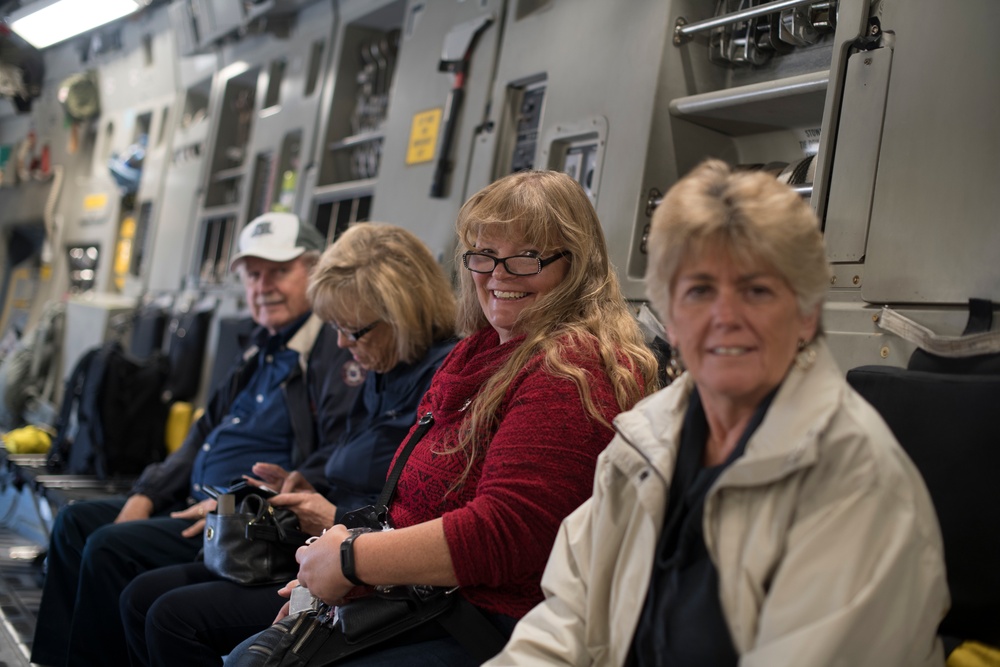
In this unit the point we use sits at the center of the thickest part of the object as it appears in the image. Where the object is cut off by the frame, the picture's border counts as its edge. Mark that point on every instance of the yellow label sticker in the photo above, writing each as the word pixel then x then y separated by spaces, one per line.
pixel 95 202
pixel 423 136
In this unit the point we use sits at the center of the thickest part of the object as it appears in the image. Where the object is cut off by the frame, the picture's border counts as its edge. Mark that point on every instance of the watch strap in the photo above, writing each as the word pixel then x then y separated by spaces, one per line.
pixel 347 562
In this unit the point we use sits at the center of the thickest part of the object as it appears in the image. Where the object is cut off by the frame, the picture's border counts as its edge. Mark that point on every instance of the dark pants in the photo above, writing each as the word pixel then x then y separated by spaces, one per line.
pixel 90 561
pixel 424 647
pixel 185 615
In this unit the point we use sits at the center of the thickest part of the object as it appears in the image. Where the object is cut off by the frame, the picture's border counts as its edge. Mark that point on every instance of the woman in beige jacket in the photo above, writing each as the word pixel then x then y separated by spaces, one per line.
pixel 757 512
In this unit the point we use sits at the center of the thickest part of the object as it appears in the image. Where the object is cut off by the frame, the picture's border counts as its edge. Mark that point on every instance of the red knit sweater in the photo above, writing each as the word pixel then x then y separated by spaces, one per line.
pixel 538 467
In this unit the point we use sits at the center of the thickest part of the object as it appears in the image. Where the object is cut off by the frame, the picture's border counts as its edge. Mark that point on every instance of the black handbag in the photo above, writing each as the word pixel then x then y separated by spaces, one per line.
pixel 325 635
pixel 255 545
pixel 321 637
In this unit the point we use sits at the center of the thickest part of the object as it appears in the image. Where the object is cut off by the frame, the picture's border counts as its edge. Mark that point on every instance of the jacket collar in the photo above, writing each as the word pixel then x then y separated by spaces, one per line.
pixel 301 341
pixel 304 339
pixel 653 426
pixel 788 438
pixel 404 377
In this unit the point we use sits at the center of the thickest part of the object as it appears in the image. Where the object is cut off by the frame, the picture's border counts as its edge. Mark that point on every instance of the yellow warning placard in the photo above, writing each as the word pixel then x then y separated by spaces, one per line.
pixel 95 208
pixel 423 136
pixel 95 202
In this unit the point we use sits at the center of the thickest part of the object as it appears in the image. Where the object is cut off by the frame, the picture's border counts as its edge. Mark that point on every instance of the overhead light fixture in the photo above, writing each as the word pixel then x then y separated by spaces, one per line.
pixel 47 22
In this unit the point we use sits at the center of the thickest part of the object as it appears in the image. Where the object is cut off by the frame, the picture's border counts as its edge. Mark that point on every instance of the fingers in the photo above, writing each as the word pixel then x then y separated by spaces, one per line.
pixel 282 500
pixel 252 481
pixel 286 591
pixel 296 481
pixel 196 511
pixel 283 612
pixel 293 482
pixel 194 529
pixel 270 473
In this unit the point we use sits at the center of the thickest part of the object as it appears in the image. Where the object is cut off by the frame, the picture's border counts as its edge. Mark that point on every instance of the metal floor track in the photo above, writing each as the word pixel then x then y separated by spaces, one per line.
pixel 20 593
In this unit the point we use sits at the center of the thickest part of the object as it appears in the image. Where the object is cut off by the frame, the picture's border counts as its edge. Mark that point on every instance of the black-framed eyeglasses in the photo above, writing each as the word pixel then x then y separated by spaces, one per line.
pixel 518 265
pixel 354 336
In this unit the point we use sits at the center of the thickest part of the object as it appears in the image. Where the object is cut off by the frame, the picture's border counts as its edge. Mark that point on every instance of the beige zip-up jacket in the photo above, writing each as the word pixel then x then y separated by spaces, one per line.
pixel 823 533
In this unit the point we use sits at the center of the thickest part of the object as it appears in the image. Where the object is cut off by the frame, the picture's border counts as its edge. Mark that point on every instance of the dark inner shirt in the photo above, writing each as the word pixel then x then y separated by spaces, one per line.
pixel 682 623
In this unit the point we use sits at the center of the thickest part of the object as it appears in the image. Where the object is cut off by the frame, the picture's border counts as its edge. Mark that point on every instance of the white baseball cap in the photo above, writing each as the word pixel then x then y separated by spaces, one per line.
pixel 278 237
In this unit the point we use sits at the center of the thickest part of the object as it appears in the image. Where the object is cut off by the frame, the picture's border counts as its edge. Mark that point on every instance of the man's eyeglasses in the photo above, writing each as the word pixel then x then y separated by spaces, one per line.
pixel 354 336
pixel 518 265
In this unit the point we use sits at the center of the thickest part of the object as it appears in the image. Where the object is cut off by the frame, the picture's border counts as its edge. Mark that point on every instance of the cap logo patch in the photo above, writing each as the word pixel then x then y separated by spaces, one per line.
pixel 263 227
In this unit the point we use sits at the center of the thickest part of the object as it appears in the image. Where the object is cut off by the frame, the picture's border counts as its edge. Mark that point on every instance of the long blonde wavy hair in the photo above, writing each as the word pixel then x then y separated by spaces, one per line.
pixel 549 211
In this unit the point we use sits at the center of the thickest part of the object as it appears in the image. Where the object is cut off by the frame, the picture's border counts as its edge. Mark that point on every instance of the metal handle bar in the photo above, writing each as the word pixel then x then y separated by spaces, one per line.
pixel 684 31
pixel 655 197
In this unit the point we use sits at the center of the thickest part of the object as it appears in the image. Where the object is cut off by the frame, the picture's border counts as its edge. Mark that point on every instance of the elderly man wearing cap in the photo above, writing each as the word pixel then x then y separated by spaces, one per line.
pixel 290 390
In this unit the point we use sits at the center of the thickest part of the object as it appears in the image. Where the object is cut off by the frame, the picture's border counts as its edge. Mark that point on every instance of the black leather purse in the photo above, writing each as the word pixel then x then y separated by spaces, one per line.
pixel 255 545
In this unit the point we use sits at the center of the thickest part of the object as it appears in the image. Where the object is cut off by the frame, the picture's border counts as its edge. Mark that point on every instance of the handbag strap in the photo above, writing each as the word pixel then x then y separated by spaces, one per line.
pixel 382 505
pixel 470 627
pixel 265 524
pixel 464 621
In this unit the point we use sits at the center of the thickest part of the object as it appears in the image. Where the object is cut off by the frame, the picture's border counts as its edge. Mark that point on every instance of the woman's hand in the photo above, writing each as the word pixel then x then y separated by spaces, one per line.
pixel 319 566
pixel 277 478
pixel 315 512
pixel 197 514
pixel 296 483
pixel 269 474
pixel 282 613
pixel 413 555
pixel 285 592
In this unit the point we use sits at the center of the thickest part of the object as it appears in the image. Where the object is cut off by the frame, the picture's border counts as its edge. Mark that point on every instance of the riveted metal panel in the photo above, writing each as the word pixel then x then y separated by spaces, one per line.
pixel 933 235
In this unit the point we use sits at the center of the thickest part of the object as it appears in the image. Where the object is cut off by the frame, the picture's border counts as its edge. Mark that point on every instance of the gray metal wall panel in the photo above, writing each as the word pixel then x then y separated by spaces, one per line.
pixel 853 177
pixel 175 216
pixel 295 111
pixel 132 83
pixel 601 60
pixel 933 235
pixel 402 193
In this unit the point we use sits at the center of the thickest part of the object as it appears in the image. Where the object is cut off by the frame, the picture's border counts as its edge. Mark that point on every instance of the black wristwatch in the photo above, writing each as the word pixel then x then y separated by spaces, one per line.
pixel 347 555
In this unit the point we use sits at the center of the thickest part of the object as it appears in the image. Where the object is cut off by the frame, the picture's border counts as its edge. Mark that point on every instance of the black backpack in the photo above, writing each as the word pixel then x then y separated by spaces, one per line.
pixel 113 415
